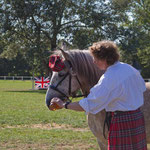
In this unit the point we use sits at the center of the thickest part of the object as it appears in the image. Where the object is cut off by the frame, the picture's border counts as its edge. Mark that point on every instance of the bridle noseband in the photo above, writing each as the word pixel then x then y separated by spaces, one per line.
pixel 69 87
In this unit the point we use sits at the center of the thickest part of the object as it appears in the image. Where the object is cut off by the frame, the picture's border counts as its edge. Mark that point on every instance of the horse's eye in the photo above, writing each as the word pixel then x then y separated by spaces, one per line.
pixel 60 74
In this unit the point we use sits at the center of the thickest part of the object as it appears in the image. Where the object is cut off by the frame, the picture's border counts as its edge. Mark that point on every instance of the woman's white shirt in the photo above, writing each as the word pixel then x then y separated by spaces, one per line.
pixel 120 88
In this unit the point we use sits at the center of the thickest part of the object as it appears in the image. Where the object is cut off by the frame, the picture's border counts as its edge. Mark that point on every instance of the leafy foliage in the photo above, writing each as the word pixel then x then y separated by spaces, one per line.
pixel 144 56
pixel 33 29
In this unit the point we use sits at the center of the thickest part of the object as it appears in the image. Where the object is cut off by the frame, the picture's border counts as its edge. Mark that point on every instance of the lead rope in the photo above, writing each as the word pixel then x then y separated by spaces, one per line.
pixel 107 122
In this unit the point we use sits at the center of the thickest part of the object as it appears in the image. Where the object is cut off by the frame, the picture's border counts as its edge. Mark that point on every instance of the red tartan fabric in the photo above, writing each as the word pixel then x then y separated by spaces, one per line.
pixel 56 63
pixel 127 131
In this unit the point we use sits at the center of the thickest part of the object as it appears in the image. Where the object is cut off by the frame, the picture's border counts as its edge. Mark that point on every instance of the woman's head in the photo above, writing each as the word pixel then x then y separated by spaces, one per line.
pixel 105 50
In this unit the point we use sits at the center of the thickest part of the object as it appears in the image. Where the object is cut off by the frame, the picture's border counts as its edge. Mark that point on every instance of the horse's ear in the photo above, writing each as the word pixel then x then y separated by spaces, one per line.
pixel 65 55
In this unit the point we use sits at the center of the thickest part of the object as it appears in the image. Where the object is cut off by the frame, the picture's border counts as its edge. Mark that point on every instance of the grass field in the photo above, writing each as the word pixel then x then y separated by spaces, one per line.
pixel 26 123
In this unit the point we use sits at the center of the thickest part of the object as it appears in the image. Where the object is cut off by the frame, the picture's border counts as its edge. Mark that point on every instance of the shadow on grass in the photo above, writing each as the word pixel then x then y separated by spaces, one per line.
pixel 28 91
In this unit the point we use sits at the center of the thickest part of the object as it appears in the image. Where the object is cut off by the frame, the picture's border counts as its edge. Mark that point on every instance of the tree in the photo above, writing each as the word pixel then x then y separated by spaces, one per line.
pixel 35 26
pixel 144 56
pixel 134 42
pixel 33 29
pixel 103 22
pixel 142 15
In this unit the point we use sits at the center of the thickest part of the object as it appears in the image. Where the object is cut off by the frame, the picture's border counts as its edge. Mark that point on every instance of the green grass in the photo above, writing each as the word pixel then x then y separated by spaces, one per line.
pixel 20 105
pixel 52 138
pixel 21 108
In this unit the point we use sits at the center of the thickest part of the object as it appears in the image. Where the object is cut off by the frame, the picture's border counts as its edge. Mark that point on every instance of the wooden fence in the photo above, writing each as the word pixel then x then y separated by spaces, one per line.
pixel 32 78
pixel 16 77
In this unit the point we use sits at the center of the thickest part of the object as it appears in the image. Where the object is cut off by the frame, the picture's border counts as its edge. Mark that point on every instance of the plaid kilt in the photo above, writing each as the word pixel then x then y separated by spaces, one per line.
pixel 127 131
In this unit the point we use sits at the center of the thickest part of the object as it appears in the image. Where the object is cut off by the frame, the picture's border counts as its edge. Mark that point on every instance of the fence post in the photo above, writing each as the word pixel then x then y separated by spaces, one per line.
pixel 33 82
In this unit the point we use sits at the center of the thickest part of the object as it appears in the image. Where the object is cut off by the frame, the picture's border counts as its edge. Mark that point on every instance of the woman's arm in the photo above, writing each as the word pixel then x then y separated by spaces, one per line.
pixel 73 106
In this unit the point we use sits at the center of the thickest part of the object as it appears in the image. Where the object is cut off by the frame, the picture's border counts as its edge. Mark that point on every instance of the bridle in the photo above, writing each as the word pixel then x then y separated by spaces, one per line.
pixel 53 87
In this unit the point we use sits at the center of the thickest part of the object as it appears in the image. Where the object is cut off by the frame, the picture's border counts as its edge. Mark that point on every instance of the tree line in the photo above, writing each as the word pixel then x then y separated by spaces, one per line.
pixel 31 29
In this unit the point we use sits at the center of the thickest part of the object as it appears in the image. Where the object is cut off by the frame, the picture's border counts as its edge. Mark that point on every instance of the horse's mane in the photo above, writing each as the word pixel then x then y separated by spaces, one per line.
pixel 82 63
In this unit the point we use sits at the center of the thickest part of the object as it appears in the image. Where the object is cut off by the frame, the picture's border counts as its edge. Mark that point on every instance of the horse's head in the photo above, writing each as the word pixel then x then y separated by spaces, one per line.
pixel 63 83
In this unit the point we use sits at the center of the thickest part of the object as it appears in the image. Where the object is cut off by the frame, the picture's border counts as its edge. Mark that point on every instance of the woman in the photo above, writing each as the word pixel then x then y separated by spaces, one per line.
pixel 120 92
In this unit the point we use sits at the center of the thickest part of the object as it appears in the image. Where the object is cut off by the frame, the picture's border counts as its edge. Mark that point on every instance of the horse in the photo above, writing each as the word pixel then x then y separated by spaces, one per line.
pixel 81 73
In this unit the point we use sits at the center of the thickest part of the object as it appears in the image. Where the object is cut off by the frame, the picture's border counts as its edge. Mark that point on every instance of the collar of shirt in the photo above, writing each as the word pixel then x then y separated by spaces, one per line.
pixel 116 63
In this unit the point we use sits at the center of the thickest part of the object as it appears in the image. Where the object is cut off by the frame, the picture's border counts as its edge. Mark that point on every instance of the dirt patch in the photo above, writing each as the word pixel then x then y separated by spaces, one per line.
pixel 76 147
pixel 46 146
pixel 21 146
pixel 48 127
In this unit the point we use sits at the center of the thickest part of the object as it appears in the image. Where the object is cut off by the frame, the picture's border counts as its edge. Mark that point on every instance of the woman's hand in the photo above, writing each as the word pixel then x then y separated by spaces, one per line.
pixel 56 103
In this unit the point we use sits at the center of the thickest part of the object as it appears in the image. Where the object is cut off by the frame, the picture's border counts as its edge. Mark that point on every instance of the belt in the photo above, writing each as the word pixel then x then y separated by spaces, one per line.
pixel 117 112
pixel 123 112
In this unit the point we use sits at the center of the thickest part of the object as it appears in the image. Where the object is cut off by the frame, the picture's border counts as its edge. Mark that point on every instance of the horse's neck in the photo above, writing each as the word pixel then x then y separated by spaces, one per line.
pixel 86 85
pixel 90 79
pixel 85 88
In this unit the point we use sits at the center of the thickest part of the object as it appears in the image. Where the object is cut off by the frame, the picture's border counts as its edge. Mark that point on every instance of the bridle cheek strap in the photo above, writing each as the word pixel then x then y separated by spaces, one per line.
pixel 69 88
pixel 56 87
